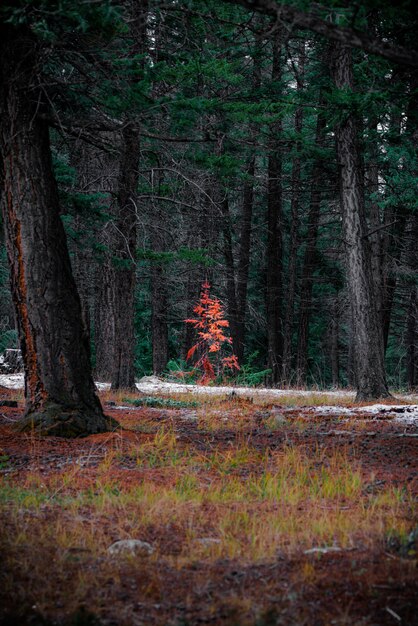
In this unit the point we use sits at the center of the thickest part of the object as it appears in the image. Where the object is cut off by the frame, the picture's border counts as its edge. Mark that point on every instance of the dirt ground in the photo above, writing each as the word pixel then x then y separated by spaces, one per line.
pixel 372 579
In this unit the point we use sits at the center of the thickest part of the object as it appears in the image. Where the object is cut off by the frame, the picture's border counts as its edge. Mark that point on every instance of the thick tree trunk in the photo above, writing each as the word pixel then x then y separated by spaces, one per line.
pixel 367 335
pixel 59 388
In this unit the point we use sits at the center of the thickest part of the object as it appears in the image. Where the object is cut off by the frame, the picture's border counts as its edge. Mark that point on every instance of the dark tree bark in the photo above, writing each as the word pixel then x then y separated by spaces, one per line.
pixel 125 225
pixel 412 340
pixel 158 298
pixel 244 252
pixel 159 320
pixel 335 354
pixel 294 232
pixel 288 323
pixel 96 175
pixel 309 261
pixel 367 335
pixel 375 223
pixel 274 238
pixel 81 263
pixel 104 323
pixel 230 271
pixel 124 263
pixel 59 388
pixel 244 259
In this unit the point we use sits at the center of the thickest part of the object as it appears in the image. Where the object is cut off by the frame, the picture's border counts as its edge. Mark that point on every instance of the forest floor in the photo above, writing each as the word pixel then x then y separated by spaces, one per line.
pixel 252 509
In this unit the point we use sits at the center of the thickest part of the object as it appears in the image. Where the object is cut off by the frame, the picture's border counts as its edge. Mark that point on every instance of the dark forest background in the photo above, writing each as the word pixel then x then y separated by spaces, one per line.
pixel 196 140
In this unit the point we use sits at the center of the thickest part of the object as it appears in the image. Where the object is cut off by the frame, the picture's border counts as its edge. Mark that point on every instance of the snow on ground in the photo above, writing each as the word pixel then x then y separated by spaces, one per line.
pixel 153 384
pixel 401 413
pixel 12 381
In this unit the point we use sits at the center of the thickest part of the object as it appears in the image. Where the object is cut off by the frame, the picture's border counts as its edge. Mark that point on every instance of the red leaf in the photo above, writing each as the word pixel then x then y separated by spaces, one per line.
pixel 191 352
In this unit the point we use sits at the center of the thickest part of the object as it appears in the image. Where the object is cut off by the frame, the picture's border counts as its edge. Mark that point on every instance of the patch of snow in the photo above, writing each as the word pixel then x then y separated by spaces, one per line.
pixel 153 384
pixel 331 410
pixel 12 381
pixel 407 414
pixel 153 380
pixel 102 386
pixel 123 407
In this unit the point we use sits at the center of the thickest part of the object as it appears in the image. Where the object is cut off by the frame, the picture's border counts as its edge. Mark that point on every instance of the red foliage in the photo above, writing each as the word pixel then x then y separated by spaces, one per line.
pixel 210 324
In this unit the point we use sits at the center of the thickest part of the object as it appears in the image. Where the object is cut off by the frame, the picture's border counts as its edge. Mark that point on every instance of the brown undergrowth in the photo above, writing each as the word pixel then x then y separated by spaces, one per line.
pixel 257 514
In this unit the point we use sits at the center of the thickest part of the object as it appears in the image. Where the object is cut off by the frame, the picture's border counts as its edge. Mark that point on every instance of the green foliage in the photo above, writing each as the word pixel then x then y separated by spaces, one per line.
pixel 4 461
pixel 249 374
pixel 206 102
pixel 180 371
pixel 51 19
pixel 8 339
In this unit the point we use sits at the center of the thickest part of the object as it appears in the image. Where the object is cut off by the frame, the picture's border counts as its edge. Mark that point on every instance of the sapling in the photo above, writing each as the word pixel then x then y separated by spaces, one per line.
pixel 211 325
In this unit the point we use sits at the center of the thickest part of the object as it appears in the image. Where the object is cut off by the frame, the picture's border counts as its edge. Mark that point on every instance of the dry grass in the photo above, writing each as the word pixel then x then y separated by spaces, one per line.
pixel 253 503
pixel 194 503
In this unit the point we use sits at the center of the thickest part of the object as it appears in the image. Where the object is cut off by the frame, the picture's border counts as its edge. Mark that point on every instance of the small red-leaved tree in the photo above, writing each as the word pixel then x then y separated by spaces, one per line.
pixel 210 323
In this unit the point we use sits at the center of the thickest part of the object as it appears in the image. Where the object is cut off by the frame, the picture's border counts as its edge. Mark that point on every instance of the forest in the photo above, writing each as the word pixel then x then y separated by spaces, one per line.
pixel 208 263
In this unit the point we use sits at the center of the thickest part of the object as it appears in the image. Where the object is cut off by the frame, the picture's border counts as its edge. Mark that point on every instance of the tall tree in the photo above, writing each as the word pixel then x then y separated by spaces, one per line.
pixel 125 221
pixel 296 189
pixel 59 388
pixel 274 250
pixel 309 258
pixel 367 333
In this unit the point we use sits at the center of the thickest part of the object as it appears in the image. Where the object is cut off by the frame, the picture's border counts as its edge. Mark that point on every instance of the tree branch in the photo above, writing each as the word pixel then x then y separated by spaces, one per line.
pixel 348 36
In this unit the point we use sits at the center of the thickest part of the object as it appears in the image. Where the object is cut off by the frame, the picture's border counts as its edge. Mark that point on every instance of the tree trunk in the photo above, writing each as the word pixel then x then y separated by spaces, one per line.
pixel 159 298
pixel 367 335
pixel 412 340
pixel 375 223
pixel 59 388
pixel 230 271
pixel 124 265
pixel 125 225
pixel 293 255
pixel 159 320
pixel 308 266
pixel 274 239
pixel 335 355
pixel 104 323
pixel 244 259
